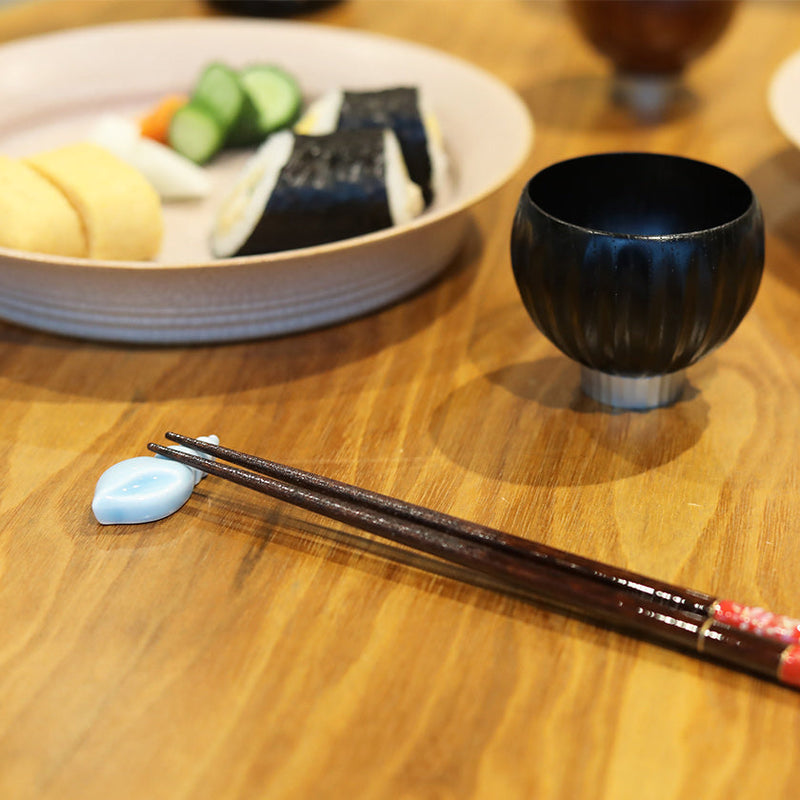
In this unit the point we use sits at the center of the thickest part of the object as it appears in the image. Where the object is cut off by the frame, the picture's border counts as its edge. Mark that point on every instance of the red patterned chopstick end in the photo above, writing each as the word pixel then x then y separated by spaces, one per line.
pixel 758 620
pixel 789 670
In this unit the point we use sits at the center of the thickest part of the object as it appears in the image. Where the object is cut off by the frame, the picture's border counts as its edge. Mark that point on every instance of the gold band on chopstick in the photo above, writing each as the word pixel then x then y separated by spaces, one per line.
pixel 701 633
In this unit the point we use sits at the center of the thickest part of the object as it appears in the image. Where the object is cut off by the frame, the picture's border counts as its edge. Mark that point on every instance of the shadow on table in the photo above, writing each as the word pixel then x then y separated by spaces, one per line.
pixel 137 373
pixel 279 531
pixel 561 102
pixel 776 183
pixel 554 435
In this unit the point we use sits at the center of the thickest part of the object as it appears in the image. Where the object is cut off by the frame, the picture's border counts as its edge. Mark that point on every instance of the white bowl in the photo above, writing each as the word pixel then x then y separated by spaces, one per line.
pixel 55 87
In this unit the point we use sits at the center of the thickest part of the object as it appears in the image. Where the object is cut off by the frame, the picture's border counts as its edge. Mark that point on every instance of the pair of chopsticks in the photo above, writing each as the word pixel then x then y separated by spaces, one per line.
pixel 732 634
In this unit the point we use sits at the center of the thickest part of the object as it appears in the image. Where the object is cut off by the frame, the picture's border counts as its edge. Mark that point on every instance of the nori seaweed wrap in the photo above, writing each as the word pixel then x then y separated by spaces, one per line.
pixel 400 108
pixel 397 109
pixel 300 191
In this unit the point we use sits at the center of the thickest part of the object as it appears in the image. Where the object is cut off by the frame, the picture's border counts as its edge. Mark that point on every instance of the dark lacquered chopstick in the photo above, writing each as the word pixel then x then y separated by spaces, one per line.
pixel 755 620
pixel 573 592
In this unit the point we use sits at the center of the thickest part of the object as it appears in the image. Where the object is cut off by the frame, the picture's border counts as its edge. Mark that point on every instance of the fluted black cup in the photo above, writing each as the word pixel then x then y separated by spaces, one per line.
pixel 636 265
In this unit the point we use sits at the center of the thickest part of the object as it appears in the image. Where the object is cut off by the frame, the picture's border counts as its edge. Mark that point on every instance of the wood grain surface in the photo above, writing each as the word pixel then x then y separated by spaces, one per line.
pixel 242 649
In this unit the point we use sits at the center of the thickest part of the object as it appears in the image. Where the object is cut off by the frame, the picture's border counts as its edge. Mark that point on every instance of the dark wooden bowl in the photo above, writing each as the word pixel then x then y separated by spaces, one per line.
pixel 637 264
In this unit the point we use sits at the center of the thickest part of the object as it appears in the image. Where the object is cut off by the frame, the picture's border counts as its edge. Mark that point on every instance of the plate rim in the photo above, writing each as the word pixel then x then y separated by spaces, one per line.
pixel 458 206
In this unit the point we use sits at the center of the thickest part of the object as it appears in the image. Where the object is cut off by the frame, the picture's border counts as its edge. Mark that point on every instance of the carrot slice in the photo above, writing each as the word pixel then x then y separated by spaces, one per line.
pixel 155 123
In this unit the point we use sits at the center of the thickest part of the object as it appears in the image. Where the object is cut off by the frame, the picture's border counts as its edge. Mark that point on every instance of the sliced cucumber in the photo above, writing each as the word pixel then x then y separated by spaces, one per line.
pixel 246 131
pixel 195 132
pixel 275 94
pixel 219 90
pixel 230 108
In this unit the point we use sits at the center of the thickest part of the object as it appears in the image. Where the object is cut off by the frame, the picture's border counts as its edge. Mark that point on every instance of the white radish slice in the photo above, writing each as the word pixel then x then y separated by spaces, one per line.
pixel 172 175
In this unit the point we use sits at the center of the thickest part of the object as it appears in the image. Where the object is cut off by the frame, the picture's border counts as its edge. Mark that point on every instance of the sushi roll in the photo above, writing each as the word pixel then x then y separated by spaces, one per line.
pixel 403 109
pixel 299 191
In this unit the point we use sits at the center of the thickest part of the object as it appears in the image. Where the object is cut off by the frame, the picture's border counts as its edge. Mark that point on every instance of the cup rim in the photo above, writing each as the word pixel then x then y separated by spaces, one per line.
pixel 752 205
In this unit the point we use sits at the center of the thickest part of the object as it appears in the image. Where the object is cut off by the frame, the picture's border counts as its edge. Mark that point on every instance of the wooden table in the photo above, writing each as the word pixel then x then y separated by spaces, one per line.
pixel 244 649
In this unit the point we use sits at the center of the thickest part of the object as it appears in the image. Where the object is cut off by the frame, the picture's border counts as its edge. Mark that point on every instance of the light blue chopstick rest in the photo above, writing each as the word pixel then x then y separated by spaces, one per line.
pixel 145 489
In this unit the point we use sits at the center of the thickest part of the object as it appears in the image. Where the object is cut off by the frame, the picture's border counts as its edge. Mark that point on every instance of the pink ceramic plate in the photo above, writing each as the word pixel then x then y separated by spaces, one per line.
pixel 55 87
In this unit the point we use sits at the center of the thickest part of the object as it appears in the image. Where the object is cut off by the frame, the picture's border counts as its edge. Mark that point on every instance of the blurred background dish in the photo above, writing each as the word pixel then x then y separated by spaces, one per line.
pixel 784 98
pixel 650 42
pixel 270 8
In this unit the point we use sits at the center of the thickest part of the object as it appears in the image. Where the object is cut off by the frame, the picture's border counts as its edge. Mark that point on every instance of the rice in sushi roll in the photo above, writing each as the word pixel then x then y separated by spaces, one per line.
pixel 299 191
pixel 403 109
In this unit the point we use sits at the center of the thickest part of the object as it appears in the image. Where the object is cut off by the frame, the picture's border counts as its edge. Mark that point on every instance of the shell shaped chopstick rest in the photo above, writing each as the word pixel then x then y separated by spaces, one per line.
pixel 145 488
pixel 636 265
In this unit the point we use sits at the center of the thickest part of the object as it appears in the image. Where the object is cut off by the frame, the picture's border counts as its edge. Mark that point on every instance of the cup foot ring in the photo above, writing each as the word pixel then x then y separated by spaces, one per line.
pixel 635 393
